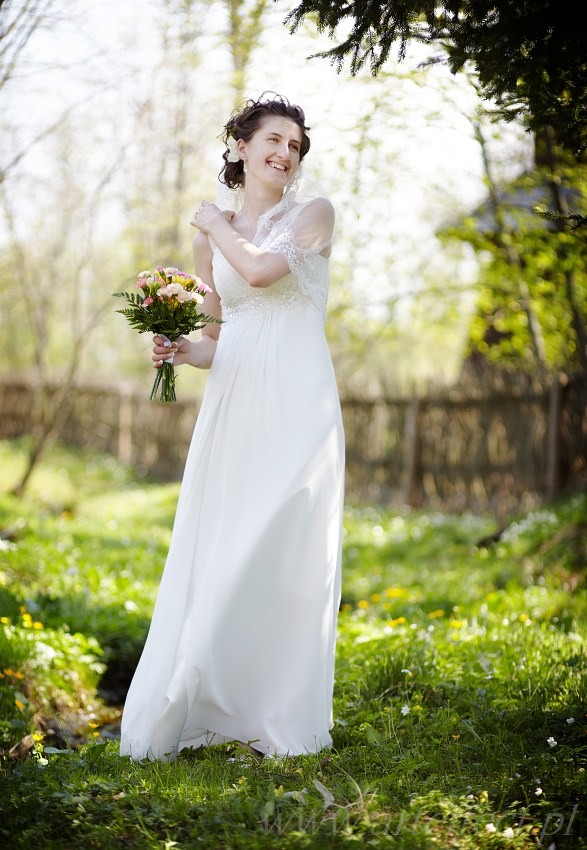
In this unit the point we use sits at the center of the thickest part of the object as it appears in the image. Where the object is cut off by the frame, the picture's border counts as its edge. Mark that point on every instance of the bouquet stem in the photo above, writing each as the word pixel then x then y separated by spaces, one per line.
pixel 166 381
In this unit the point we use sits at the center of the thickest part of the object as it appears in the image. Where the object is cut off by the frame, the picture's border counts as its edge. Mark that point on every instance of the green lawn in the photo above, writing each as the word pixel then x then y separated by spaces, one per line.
pixel 460 700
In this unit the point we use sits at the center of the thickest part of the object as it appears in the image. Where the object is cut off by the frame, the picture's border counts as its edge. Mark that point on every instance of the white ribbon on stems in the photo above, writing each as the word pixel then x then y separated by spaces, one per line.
pixel 167 343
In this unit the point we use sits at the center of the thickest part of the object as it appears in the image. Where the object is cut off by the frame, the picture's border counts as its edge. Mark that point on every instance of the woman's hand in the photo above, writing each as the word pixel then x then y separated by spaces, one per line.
pixel 207 214
pixel 180 350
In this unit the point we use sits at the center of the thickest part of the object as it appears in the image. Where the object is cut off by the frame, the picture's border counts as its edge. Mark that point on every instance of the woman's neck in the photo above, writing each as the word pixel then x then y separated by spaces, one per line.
pixel 259 199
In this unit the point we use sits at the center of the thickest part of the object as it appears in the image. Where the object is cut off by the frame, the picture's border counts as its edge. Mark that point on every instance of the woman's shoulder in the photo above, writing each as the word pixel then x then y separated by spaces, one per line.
pixel 318 204
pixel 317 209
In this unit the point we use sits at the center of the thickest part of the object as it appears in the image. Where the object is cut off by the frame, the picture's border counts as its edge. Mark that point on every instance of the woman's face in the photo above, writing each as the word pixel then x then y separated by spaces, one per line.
pixel 272 154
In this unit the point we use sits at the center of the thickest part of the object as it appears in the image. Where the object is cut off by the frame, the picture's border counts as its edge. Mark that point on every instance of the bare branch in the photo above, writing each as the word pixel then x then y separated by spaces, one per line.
pixel 4 172
pixel 18 23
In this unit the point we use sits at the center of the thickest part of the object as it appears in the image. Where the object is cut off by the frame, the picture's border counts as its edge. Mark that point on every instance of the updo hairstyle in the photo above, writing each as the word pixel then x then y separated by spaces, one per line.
pixel 244 123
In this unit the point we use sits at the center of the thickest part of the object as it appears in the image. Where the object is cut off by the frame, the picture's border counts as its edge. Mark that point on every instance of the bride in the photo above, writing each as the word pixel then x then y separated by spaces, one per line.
pixel 241 644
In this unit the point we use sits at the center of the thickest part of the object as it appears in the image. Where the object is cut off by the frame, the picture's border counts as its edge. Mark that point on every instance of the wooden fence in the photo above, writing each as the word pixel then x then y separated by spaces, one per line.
pixel 495 450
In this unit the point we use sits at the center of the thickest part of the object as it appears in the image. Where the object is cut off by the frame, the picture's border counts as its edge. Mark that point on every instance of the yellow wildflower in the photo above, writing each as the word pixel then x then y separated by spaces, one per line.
pixel 375 597
pixel 362 603
pixel 395 592
pixel 397 622
pixel 433 615
pixel 37 625
pixel 457 624
pixel 5 621
pixel 19 704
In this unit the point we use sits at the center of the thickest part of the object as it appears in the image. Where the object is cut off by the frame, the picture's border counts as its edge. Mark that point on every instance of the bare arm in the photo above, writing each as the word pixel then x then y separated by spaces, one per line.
pixel 200 353
pixel 259 268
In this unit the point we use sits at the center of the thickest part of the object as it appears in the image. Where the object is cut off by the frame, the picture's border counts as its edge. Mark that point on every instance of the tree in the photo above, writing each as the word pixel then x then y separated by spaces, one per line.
pixel 531 285
pixel 19 20
pixel 245 27
pixel 529 56
pixel 61 311
pixel 166 151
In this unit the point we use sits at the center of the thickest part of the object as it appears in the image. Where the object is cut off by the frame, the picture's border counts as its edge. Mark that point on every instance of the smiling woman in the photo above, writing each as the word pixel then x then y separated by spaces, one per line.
pixel 243 127
pixel 241 646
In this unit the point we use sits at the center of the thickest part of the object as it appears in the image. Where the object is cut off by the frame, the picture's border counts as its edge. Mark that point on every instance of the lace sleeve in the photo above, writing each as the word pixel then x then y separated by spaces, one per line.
pixel 304 239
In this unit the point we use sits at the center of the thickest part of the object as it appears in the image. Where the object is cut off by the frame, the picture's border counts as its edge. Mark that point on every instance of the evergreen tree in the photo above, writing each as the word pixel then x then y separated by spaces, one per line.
pixel 529 55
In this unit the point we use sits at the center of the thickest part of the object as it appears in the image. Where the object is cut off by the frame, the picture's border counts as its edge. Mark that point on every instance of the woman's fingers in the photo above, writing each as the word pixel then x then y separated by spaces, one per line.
pixel 162 352
pixel 179 351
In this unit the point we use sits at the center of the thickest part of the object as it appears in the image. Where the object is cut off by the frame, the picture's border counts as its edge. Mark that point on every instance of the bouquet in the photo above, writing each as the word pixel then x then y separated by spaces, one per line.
pixel 167 303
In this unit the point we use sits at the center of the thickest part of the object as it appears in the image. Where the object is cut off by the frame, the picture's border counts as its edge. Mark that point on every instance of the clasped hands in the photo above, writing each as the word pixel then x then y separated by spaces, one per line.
pixel 206 214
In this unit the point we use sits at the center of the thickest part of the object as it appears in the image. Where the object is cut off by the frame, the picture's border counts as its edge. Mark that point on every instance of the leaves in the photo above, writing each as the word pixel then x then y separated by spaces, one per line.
pixel 163 315
pixel 528 56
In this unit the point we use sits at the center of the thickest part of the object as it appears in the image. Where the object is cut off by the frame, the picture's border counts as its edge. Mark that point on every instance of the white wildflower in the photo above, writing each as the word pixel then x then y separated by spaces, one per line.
pixel 490 827
pixel 551 742
pixel 570 720
pixel 508 832
pixel 405 709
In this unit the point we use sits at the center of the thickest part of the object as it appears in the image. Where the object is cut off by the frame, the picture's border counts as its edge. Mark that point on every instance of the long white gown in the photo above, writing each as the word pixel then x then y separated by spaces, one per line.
pixel 241 644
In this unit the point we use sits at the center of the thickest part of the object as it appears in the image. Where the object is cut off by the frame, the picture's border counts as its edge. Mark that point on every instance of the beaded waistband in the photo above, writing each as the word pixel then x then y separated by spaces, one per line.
pixel 284 301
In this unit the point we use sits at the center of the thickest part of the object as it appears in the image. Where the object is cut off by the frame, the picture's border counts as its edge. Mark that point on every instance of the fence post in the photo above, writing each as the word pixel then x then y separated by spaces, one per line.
pixel 553 443
pixel 124 426
pixel 410 489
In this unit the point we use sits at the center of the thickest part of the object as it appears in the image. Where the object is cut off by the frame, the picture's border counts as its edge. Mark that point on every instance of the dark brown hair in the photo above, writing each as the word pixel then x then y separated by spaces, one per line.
pixel 244 123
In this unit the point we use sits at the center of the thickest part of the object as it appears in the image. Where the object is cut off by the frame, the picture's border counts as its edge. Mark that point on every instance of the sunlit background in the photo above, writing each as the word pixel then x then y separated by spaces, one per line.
pixel 110 134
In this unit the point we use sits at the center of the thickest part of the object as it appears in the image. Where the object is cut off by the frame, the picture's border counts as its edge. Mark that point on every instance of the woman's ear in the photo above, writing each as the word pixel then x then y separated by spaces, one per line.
pixel 241 147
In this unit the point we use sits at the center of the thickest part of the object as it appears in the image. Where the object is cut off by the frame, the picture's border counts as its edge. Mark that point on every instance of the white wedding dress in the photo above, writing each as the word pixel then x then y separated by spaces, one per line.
pixel 241 645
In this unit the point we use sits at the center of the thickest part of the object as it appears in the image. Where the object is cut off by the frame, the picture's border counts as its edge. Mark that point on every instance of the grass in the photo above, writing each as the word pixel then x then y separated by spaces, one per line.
pixel 460 699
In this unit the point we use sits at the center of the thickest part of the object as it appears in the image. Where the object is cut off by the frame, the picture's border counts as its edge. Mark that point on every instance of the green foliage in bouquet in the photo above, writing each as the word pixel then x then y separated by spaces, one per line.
pixel 167 302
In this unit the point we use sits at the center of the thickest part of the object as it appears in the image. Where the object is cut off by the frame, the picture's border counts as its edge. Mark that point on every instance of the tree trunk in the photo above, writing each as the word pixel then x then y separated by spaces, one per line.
pixel 502 240
pixel 561 206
